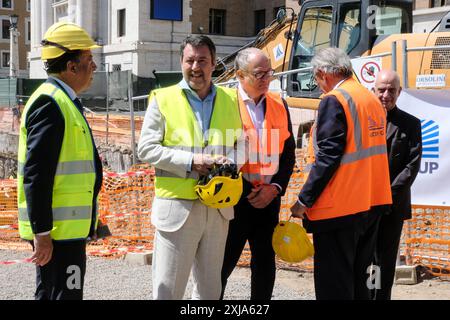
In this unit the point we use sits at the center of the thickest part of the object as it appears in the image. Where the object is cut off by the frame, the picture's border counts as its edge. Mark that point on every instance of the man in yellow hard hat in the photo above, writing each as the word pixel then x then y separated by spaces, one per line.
pixel 59 170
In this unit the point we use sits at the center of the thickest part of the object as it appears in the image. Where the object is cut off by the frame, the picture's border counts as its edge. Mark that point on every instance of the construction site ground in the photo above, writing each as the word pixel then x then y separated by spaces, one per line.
pixel 114 279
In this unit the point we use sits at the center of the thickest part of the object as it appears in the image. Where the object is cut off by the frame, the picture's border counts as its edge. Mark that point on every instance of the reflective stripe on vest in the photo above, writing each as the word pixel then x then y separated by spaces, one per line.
pixel 362 178
pixel 75 173
pixel 63 213
pixel 360 152
pixel 183 133
pixel 63 168
pixel 262 159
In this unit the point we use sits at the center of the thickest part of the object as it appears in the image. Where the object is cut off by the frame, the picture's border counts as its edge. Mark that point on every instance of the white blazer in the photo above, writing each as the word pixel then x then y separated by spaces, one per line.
pixel 167 214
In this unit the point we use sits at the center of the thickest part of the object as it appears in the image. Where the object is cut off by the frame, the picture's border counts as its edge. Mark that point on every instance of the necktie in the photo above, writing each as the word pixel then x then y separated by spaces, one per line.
pixel 79 105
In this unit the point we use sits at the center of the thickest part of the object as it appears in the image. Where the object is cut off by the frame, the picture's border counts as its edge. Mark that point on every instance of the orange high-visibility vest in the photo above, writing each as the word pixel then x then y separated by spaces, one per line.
pixel 264 153
pixel 362 178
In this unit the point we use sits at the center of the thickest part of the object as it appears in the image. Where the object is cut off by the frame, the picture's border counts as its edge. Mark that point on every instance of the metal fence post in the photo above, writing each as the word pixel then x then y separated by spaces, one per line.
pixel 394 56
pixel 107 105
pixel 405 64
pixel 130 102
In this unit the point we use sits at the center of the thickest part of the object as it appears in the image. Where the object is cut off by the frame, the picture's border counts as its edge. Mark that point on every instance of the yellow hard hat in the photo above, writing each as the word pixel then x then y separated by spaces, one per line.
pixel 64 36
pixel 291 243
pixel 220 192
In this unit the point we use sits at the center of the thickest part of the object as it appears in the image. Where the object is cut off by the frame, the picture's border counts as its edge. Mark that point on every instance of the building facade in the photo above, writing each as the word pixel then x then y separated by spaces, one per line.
pixel 21 8
pixel 427 13
pixel 145 35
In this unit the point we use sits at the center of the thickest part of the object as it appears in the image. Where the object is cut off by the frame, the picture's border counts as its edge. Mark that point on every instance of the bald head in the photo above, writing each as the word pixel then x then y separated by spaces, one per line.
pixel 387 88
pixel 246 56
pixel 254 72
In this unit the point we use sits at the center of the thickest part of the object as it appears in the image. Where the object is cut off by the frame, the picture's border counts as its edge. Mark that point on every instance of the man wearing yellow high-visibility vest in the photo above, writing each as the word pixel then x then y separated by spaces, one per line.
pixel 59 170
pixel 187 128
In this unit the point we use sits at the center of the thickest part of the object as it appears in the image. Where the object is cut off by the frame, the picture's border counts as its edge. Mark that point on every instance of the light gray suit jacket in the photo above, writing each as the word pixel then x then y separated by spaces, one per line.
pixel 167 214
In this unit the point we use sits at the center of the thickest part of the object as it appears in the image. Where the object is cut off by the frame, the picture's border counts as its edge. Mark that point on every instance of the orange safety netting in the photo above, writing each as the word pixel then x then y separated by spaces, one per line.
pixel 125 206
pixel 426 239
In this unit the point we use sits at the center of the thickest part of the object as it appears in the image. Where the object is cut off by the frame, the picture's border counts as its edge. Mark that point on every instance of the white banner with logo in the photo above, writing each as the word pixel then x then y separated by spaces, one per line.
pixel 432 107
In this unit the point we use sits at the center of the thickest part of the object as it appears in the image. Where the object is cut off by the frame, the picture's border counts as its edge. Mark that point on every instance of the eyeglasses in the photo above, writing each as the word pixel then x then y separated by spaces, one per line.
pixel 262 74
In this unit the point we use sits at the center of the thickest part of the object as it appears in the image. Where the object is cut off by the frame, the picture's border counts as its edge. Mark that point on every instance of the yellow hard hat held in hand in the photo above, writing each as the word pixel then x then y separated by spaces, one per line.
pixel 291 243
pixel 63 37
pixel 221 188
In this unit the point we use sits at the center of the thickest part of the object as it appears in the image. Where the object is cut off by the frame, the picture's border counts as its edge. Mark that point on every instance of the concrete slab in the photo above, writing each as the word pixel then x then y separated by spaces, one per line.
pixel 139 259
pixel 405 275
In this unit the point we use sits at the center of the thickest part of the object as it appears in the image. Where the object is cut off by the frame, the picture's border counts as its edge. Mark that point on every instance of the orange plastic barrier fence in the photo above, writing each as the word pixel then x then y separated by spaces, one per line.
pixel 125 206
pixel 426 239
pixel 8 207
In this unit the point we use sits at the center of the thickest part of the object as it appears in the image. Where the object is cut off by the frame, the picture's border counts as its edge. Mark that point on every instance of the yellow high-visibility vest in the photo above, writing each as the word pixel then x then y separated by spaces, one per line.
pixel 73 188
pixel 182 132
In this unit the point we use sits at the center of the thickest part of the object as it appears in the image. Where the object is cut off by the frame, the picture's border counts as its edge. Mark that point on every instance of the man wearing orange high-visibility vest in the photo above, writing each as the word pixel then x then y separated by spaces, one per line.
pixel 270 159
pixel 348 185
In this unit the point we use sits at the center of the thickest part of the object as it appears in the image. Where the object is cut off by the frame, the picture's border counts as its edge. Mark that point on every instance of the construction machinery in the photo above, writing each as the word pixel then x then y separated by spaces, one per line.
pixel 376 34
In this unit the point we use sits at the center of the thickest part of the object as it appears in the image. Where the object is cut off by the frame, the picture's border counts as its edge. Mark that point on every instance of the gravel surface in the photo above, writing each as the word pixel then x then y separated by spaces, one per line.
pixel 111 279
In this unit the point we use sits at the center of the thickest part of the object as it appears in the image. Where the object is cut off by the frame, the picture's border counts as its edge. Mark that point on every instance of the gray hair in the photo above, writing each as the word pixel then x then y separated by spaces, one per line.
pixel 243 58
pixel 332 61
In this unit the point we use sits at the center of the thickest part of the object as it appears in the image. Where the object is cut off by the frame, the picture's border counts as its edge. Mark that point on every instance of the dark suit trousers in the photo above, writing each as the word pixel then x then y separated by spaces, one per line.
pixel 389 234
pixel 256 226
pixel 63 277
pixel 342 256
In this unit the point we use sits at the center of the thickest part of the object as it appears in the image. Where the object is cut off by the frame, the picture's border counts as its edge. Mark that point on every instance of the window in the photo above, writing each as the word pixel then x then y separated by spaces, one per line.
pixel 116 67
pixel 5 59
pixel 7 4
pixel 391 20
pixel 5 28
pixel 260 20
pixel 27 31
pixel 217 21
pixel 315 34
pixel 439 3
pixel 28 5
pixel 166 10
pixel 121 23
pixel 349 27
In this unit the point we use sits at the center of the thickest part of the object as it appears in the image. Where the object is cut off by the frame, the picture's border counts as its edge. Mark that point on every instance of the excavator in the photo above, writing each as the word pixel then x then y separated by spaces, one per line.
pixel 376 34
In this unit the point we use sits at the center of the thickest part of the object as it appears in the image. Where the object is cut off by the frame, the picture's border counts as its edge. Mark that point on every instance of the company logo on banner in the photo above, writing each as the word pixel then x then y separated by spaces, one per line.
pixel 430 147
pixel 432 107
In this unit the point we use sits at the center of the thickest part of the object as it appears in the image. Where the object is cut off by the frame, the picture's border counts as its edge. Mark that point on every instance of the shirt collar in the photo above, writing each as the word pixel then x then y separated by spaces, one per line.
pixel 67 88
pixel 185 86
pixel 339 83
pixel 245 96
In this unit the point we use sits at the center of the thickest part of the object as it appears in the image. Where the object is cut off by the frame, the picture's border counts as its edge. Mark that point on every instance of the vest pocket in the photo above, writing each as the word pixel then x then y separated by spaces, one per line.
pixel 80 136
pixel 72 204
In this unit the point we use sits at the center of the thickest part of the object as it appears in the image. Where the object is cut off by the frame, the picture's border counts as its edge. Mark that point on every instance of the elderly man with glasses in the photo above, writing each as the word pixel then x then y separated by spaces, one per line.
pixel 270 159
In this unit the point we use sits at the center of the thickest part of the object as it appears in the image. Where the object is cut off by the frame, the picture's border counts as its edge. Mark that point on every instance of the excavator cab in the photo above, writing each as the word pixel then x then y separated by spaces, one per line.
pixel 354 26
